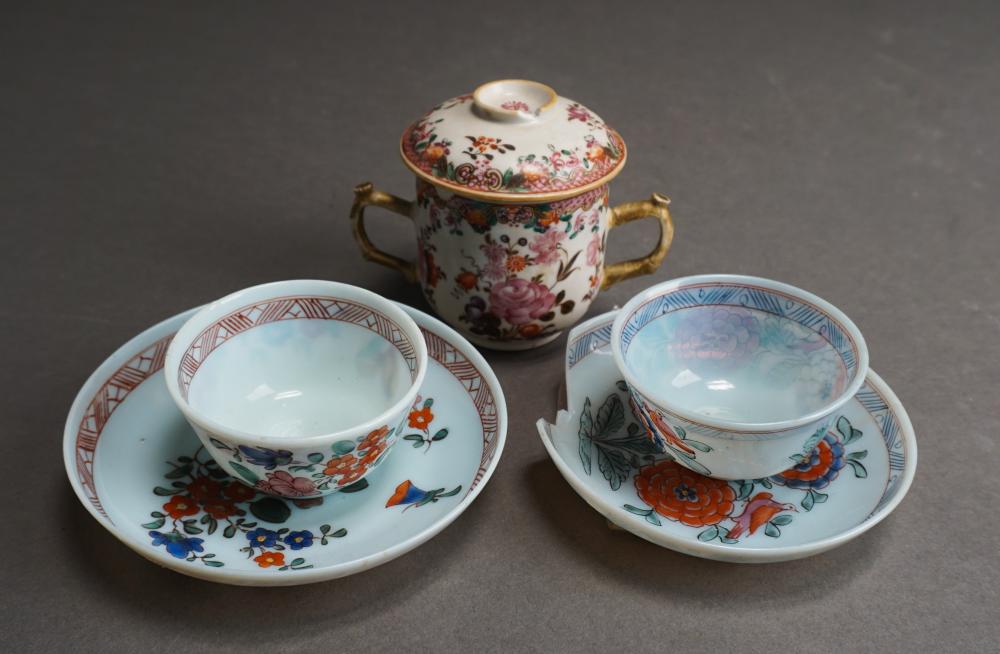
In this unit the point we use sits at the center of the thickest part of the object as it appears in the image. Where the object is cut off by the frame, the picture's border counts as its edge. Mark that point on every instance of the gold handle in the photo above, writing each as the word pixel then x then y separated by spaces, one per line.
pixel 365 195
pixel 655 207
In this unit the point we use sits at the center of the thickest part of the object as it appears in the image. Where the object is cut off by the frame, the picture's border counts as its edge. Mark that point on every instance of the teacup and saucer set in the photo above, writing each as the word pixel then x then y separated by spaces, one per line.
pixel 731 418
pixel 288 433
pixel 304 430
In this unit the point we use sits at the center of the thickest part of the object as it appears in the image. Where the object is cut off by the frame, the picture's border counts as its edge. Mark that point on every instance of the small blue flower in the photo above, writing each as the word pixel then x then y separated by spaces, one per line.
pixel 686 493
pixel 177 545
pixel 816 470
pixel 261 537
pixel 267 458
pixel 299 539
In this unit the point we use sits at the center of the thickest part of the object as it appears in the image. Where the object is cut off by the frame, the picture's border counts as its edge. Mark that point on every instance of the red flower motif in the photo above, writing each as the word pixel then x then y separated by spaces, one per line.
pixel 678 494
pixel 221 509
pixel 181 506
pixel 421 418
pixel 204 488
pixel 339 465
pixel 239 492
pixel 267 559
pixel 374 438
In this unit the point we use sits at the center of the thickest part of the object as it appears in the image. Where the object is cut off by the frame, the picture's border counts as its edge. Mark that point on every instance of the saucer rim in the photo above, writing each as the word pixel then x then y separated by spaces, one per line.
pixel 260 578
pixel 718 551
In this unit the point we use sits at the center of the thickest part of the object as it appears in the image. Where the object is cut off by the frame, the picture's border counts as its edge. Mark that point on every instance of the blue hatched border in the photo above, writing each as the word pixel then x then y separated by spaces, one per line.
pixel 751 297
pixel 584 345
pixel 870 399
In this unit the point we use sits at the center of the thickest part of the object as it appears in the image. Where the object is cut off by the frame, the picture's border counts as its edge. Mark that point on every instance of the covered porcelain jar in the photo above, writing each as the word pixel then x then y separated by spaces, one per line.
pixel 512 212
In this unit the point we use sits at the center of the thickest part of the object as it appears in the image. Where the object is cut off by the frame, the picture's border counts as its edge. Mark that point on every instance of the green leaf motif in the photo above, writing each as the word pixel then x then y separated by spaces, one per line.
pixel 341 448
pixel 860 471
pixel 191 528
pixel 771 530
pixel 441 435
pixel 182 471
pixel 229 531
pixel 355 487
pixel 613 465
pixel 315 457
pixel 807 501
pixel 214 564
pixel 340 533
pixel 709 534
pixel 782 520
pixel 270 509
pixel 698 445
pixel 417 438
pixel 245 472
pixel 857 456
pixel 847 431
pixel 155 524
pixel 610 417
pixel 746 487
pixel 159 490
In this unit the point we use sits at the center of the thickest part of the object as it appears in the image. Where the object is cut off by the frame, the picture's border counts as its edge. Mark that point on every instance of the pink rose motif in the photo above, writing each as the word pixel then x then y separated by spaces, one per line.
pixel 519 301
pixel 576 112
pixel 560 161
pixel 546 245
pixel 284 484
pixel 594 250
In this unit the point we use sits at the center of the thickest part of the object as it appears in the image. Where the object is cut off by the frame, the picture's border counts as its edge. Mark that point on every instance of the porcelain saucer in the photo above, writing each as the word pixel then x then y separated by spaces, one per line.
pixel 857 474
pixel 138 468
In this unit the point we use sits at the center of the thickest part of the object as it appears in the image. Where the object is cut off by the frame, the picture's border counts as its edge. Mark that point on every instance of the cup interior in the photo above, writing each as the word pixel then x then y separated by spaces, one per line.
pixel 741 352
pixel 295 367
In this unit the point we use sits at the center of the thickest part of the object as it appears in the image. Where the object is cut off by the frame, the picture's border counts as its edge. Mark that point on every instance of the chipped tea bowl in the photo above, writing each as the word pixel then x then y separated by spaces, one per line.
pixel 298 388
pixel 736 377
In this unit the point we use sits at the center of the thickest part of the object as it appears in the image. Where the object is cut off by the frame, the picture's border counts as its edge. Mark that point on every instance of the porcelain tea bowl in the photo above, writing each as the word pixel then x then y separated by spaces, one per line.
pixel 298 388
pixel 512 213
pixel 736 377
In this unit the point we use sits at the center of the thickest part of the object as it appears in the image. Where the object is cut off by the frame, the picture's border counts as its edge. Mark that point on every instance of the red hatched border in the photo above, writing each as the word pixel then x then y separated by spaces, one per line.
pixel 478 389
pixel 289 308
pixel 149 361
pixel 108 398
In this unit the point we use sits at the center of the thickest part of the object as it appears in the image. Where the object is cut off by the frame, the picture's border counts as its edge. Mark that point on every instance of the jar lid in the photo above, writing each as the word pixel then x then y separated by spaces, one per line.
pixel 513 141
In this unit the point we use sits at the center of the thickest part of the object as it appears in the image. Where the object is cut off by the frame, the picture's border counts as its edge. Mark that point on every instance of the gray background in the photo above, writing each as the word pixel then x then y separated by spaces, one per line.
pixel 153 158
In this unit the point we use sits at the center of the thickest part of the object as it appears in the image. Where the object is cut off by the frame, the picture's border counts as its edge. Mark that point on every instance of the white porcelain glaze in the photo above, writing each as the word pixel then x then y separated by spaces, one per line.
pixel 273 376
pixel 737 375
pixel 856 475
pixel 135 463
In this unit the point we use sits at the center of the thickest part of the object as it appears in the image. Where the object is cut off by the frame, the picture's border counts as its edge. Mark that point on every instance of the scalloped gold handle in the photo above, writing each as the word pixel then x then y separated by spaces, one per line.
pixel 367 195
pixel 655 207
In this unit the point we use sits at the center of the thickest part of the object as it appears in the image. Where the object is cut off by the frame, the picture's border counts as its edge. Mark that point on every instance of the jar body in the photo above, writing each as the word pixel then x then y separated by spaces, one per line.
pixel 510 276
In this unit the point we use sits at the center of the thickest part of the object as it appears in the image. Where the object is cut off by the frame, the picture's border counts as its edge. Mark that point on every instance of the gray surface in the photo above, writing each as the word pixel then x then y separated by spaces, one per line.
pixel 153 159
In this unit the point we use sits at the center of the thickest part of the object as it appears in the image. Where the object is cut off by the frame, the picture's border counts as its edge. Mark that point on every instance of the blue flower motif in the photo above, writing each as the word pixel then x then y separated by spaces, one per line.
pixel 686 493
pixel 261 537
pixel 267 458
pixel 818 469
pixel 299 539
pixel 177 545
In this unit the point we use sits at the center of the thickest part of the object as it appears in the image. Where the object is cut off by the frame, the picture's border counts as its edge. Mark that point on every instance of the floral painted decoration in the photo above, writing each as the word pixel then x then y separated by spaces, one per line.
pixel 727 511
pixel 531 265
pixel 563 147
pixel 203 499
pixel 283 475
pixel 420 418
pixel 408 496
